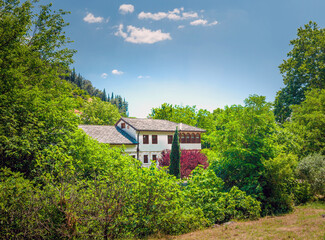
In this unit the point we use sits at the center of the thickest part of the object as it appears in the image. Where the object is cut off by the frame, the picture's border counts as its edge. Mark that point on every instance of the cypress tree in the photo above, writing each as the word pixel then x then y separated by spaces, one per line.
pixel 104 97
pixel 175 156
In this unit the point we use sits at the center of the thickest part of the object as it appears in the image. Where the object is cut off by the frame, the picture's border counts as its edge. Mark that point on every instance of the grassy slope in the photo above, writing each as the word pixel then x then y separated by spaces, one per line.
pixel 306 222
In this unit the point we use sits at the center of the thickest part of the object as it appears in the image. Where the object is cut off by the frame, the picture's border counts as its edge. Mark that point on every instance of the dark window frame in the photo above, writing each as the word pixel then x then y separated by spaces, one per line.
pixel 170 139
pixel 145 139
pixel 198 138
pixel 183 138
pixel 145 159
pixel 154 157
pixel 122 125
pixel 192 138
pixel 154 139
pixel 188 138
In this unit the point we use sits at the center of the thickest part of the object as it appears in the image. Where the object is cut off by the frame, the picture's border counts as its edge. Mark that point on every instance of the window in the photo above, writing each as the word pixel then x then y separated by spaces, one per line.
pixel 154 157
pixel 154 139
pixel 145 158
pixel 193 138
pixel 183 138
pixel 188 138
pixel 198 139
pixel 170 139
pixel 133 156
pixel 122 125
pixel 145 139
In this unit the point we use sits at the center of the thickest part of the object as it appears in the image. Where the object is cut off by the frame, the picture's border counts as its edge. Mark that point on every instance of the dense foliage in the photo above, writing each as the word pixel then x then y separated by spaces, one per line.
pixel 184 114
pixel 303 70
pixel 190 159
pixel 58 183
pixel 308 123
pixel 243 139
pixel 312 170
pixel 205 190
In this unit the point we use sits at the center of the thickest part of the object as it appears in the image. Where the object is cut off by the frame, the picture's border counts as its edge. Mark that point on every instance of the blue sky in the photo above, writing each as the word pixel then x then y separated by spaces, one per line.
pixel 208 53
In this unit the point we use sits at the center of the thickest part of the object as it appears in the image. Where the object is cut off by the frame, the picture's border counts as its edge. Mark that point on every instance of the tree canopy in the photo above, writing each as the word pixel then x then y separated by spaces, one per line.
pixel 302 70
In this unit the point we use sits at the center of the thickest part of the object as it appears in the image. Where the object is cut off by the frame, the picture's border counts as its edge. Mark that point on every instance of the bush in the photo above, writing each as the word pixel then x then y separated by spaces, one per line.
pixel 190 159
pixel 279 184
pixel 302 192
pixel 205 190
pixel 111 195
pixel 312 170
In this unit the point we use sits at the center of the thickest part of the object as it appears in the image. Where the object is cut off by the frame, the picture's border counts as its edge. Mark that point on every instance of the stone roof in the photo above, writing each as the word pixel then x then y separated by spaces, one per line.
pixel 108 134
pixel 158 125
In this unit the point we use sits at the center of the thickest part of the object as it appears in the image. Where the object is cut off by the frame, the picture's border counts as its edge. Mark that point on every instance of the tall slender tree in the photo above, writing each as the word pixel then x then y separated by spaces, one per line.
pixel 175 156
pixel 104 96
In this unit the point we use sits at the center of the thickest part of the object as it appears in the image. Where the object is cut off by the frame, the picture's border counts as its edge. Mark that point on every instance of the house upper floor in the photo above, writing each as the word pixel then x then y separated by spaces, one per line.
pixel 157 134
pixel 146 134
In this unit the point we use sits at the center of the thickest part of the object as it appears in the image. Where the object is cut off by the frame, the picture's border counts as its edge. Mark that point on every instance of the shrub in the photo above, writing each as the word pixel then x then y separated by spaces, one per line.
pixel 279 184
pixel 190 159
pixel 205 190
pixel 302 192
pixel 312 170
pixel 111 195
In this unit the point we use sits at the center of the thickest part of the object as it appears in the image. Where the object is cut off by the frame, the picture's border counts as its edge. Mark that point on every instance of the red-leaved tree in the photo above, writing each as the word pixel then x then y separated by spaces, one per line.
pixel 190 159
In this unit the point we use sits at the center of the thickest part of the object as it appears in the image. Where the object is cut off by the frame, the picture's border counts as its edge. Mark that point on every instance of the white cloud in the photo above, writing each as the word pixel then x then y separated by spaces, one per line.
pixel 117 72
pixel 199 22
pixel 187 15
pixel 203 23
pixel 181 26
pixel 173 16
pixel 213 23
pixel 141 77
pixel 153 16
pixel 104 75
pixel 141 35
pixel 176 14
pixel 126 8
pixel 120 32
pixel 90 18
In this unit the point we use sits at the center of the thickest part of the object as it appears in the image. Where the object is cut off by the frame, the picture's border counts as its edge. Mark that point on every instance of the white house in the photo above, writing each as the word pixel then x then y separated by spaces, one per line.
pixel 144 138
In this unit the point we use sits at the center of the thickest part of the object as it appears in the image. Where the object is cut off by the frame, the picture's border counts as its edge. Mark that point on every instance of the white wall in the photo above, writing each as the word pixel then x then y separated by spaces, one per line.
pixel 190 146
pixel 149 153
pixel 162 144
pixel 128 129
pixel 130 149
pixel 150 149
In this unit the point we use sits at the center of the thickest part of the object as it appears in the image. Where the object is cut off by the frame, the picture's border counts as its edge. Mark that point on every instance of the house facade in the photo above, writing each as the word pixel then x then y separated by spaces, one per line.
pixel 145 139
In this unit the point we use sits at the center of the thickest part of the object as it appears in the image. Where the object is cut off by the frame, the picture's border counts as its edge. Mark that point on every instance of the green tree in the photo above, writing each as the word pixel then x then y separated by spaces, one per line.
pixel 175 113
pixel 97 112
pixel 244 137
pixel 308 123
pixel 36 104
pixel 205 190
pixel 304 69
pixel 104 96
pixel 175 166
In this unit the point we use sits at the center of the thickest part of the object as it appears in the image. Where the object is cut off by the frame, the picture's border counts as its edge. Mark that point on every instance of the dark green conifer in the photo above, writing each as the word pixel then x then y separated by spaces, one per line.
pixel 175 156
pixel 104 97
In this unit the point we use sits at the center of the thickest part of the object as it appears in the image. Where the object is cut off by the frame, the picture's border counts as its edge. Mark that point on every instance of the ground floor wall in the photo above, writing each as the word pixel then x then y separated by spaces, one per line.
pixel 145 157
